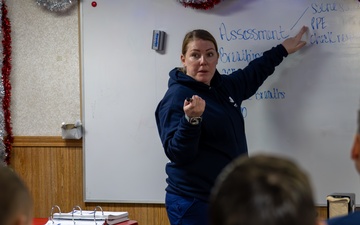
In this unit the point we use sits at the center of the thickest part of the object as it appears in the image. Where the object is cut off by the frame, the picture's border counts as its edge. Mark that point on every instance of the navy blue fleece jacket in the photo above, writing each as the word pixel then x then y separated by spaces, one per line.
pixel 198 153
pixel 350 219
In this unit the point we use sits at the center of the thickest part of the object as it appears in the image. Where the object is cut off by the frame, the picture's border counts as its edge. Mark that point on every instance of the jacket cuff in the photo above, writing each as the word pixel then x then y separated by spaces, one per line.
pixel 282 50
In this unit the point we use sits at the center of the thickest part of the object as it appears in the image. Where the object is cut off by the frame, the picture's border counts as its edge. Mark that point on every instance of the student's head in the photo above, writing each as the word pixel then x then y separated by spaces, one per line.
pixel 15 199
pixel 262 189
pixel 355 152
pixel 199 55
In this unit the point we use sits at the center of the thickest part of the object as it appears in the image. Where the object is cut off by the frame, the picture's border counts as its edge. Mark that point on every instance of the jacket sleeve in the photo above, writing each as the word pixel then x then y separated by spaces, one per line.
pixel 179 138
pixel 248 80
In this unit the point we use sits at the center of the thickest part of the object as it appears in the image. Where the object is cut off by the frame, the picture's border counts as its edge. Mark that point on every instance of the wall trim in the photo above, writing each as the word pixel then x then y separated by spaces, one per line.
pixel 45 141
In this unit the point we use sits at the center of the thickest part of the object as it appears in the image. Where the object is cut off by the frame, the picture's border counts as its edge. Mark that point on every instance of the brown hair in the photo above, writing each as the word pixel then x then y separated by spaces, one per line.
pixel 197 34
pixel 262 189
pixel 15 197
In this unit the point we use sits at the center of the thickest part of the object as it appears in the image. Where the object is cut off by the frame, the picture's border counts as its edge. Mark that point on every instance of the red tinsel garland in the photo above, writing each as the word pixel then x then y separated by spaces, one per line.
pixel 6 69
pixel 200 4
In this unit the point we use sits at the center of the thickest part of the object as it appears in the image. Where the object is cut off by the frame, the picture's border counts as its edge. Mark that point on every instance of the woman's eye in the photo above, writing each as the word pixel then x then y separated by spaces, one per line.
pixel 195 55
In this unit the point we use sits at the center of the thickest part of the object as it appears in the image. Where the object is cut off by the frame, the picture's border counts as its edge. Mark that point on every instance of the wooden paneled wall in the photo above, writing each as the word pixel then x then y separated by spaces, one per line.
pixel 53 170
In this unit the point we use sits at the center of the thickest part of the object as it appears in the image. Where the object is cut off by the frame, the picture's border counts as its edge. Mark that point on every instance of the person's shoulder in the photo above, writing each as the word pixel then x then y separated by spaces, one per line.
pixel 350 219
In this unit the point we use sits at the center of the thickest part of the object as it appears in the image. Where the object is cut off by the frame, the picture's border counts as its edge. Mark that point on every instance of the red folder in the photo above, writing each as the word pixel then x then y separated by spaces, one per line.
pixel 40 221
pixel 129 222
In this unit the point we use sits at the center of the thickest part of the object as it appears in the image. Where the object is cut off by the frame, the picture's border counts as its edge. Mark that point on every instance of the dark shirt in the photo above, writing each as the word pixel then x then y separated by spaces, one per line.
pixel 351 219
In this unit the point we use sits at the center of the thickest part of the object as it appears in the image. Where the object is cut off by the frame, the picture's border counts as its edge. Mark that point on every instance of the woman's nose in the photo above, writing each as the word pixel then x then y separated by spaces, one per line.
pixel 203 60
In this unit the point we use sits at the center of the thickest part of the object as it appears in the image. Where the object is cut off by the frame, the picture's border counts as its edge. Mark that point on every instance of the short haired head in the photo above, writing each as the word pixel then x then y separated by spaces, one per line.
pixel 15 199
pixel 262 189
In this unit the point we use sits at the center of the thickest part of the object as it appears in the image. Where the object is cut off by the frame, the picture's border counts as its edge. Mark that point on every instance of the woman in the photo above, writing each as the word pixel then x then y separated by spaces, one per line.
pixel 200 123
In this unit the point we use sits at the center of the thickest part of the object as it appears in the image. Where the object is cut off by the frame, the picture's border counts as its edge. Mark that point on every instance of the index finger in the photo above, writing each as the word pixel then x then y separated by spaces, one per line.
pixel 301 33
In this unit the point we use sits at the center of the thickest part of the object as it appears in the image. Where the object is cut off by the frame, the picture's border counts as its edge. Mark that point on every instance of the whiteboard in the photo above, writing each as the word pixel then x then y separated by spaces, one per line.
pixel 306 110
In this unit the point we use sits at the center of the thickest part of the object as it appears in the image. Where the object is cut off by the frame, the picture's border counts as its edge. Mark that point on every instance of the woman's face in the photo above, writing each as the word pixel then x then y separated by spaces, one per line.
pixel 200 60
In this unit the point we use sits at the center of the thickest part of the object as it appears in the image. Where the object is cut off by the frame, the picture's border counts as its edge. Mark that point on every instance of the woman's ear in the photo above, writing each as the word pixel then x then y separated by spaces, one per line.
pixel 182 58
pixel 355 151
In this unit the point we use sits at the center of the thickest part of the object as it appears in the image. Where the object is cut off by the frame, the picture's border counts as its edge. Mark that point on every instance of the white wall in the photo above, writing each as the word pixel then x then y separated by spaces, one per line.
pixel 45 74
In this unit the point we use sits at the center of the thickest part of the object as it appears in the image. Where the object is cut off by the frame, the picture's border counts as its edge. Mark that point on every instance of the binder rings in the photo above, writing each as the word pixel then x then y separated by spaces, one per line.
pixel 85 217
